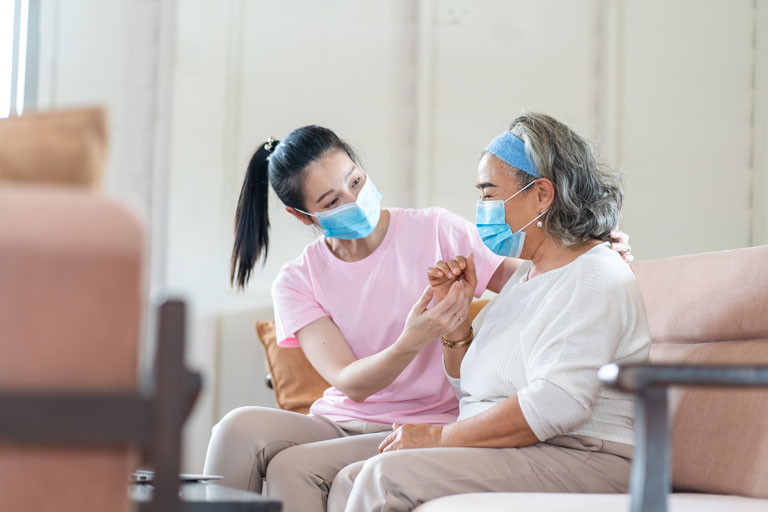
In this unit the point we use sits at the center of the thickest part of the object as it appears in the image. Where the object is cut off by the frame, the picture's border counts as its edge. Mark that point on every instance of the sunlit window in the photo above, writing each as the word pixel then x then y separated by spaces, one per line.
pixel 13 53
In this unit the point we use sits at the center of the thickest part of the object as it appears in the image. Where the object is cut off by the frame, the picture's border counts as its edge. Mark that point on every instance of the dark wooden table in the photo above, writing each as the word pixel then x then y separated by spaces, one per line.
pixel 210 497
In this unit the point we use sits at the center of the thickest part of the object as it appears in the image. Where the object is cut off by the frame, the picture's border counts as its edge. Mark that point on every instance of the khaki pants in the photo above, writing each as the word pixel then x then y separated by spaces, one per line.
pixel 297 455
pixel 402 480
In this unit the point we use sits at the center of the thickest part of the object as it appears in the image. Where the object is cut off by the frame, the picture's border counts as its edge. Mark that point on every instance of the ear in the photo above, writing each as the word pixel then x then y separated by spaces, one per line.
pixel 305 219
pixel 545 193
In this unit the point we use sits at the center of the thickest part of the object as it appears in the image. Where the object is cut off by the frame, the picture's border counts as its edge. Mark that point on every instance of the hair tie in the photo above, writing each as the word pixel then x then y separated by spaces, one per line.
pixel 270 145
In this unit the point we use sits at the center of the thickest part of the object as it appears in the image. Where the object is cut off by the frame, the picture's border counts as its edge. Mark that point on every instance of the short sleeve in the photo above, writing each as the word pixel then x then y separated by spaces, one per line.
pixel 295 305
pixel 459 237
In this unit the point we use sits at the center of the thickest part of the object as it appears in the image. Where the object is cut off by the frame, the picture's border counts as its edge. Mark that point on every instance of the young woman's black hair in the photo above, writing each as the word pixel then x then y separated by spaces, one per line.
pixel 283 164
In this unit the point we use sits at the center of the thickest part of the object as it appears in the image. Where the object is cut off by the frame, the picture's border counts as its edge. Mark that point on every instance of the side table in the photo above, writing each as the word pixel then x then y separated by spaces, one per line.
pixel 208 497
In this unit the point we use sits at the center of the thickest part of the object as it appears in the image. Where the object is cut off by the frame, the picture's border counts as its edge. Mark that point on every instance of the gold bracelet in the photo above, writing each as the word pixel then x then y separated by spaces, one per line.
pixel 459 343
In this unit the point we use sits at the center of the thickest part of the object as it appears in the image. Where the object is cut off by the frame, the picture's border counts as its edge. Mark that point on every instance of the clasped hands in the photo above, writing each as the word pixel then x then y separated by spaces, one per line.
pixel 452 284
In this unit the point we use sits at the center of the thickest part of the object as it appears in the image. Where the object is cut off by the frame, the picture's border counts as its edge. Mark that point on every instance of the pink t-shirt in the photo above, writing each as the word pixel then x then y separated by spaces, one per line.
pixel 369 301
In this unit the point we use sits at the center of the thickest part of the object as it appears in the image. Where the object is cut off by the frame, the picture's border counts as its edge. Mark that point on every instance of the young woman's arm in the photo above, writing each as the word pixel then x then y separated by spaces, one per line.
pixel 328 351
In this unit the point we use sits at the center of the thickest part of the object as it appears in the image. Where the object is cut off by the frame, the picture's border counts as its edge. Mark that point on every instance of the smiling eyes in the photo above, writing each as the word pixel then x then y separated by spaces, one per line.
pixel 335 201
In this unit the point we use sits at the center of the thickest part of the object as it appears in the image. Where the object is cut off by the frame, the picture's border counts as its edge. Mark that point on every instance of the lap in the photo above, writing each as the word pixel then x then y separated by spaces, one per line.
pixel 543 467
pixel 265 424
pixel 329 456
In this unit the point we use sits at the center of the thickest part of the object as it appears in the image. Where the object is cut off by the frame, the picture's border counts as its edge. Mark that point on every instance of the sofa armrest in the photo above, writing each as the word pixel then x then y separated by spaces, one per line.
pixel 650 478
pixel 635 378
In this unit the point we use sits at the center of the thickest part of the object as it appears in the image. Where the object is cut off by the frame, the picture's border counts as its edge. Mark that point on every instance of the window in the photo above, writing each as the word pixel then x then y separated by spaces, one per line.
pixel 13 55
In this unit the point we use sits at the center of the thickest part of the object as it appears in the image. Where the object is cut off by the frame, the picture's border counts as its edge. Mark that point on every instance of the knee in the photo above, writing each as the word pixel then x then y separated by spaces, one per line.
pixel 342 486
pixel 381 471
pixel 348 474
pixel 237 424
pixel 382 483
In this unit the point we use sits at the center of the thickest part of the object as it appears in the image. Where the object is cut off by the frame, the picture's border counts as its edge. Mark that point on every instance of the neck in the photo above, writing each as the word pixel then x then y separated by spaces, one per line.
pixel 360 248
pixel 551 254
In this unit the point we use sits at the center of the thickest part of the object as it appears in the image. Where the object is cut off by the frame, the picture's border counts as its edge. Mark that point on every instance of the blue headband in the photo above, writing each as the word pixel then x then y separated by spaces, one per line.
pixel 511 149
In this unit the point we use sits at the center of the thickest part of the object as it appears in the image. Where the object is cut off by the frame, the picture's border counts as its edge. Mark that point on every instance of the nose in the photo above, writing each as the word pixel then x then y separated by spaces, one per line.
pixel 347 196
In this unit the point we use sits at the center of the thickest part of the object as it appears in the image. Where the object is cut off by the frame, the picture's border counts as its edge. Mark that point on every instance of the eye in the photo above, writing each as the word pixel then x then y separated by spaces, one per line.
pixel 357 181
pixel 332 203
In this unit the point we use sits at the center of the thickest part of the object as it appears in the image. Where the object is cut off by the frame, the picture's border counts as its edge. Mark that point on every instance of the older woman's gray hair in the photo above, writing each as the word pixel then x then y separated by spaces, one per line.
pixel 588 193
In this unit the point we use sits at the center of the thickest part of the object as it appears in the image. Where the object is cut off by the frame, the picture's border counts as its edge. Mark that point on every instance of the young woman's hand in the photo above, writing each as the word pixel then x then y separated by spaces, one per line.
pixel 444 273
pixel 424 325
pixel 620 244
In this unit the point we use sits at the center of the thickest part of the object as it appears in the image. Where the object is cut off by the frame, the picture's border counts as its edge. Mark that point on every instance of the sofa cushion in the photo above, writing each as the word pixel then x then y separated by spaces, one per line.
pixel 715 296
pixel 556 502
pixel 295 381
pixel 719 436
pixel 65 147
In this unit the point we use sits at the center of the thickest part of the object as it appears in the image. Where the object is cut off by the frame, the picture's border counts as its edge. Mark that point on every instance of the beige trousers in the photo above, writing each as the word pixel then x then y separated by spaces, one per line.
pixel 402 480
pixel 297 455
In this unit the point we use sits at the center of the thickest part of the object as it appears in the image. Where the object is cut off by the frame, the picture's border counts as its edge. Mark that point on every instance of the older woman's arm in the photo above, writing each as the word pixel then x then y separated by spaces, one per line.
pixel 501 426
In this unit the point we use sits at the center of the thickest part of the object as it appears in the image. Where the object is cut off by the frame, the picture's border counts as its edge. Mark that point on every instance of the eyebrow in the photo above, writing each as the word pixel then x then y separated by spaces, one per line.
pixel 333 189
pixel 481 186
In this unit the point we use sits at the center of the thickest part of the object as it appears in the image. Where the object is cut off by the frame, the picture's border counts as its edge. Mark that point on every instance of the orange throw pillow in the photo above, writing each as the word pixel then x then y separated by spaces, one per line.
pixel 65 147
pixel 295 381
pixel 475 307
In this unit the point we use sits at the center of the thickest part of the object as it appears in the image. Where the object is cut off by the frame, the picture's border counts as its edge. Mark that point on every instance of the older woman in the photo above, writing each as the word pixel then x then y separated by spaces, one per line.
pixel 532 414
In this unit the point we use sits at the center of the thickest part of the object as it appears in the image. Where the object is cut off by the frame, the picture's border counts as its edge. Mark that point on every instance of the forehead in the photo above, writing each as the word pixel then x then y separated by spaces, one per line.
pixel 491 169
pixel 328 170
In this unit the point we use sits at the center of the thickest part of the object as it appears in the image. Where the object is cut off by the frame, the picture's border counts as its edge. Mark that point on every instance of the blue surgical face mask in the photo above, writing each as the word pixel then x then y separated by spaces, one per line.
pixel 494 230
pixel 352 220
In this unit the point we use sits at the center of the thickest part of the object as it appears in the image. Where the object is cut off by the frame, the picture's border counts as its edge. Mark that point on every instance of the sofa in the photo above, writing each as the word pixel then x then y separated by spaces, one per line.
pixel 703 310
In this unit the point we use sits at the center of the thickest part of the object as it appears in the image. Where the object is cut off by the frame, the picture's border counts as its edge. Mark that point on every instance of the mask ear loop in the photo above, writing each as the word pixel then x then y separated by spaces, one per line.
pixel 525 187
pixel 534 220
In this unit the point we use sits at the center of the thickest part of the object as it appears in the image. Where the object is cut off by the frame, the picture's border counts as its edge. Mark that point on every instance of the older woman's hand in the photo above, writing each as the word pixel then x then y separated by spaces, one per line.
pixel 620 244
pixel 446 272
pixel 412 436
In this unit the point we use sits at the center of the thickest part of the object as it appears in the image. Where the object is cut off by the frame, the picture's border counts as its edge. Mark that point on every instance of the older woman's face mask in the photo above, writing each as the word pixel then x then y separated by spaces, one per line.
pixel 494 230
pixel 491 218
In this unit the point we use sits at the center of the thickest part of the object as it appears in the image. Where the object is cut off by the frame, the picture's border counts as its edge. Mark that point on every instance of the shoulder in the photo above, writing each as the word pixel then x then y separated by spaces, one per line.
pixel 603 268
pixel 296 274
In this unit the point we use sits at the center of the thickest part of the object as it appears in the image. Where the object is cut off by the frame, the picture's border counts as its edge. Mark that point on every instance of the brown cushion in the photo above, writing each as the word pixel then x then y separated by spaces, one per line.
pixel 68 147
pixel 719 436
pixel 295 381
pixel 475 307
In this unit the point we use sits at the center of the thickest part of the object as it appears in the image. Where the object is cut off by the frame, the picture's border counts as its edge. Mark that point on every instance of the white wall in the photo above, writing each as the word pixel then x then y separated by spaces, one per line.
pixel 760 134
pixel 685 113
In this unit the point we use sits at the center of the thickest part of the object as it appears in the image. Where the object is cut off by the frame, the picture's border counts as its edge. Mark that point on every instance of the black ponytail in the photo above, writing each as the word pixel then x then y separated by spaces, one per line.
pixel 283 166
pixel 251 219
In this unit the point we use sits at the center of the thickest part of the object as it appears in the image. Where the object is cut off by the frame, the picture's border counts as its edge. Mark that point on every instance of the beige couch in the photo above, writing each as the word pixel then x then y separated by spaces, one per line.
pixel 703 309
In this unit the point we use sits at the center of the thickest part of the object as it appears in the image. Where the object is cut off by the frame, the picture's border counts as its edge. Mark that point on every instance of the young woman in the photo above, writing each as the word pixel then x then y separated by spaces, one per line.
pixel 356 302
